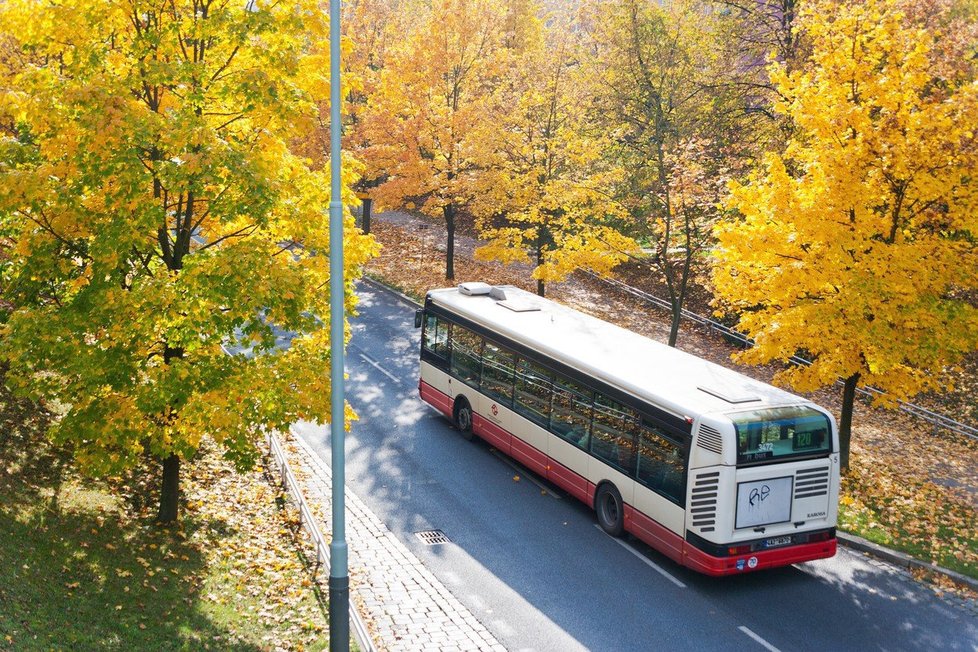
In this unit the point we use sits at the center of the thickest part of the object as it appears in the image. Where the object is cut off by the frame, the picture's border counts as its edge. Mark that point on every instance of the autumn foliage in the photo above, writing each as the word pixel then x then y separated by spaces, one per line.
pixel 856 244
pixel 159 213
pixel 543 196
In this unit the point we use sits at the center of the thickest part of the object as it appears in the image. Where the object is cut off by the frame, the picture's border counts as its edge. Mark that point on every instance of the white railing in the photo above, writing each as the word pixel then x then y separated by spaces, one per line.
pixel 307 520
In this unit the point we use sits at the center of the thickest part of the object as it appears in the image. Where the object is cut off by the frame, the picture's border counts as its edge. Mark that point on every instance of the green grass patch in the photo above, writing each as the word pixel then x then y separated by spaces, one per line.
pixel 83 566
pixel 925 520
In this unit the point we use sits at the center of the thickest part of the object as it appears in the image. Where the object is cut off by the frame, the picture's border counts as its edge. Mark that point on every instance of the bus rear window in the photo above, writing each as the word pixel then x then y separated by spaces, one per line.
pixel 779 433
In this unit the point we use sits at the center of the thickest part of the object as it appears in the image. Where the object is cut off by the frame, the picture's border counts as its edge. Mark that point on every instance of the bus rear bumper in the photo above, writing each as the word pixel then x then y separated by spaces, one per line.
pixel 754 561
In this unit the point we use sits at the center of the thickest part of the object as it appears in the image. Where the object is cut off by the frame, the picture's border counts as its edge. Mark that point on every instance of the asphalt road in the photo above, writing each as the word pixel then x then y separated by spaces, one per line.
pixel 531 564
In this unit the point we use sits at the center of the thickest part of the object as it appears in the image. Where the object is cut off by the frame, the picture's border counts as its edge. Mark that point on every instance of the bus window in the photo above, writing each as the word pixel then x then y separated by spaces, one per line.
pixel 497 373
pixel 613 434
pixel 534 391
pixel 780 433
pixel 661 466
pixel 435 338
pixel 571 416
pixel 466 354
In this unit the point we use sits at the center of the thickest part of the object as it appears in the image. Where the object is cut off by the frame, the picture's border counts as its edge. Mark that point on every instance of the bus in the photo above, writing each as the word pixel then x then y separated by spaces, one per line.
pixel 721 473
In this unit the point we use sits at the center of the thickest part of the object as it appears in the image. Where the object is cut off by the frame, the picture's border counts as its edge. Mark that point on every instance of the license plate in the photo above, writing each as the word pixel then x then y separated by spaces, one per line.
pixel 777 541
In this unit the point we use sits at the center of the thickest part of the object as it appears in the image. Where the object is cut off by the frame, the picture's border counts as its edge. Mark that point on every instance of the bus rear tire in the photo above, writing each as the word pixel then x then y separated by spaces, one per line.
pixel 610 509
pixel 463 417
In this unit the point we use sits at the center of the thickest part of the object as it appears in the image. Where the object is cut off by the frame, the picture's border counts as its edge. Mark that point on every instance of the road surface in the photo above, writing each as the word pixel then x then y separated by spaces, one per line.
pixel 531 564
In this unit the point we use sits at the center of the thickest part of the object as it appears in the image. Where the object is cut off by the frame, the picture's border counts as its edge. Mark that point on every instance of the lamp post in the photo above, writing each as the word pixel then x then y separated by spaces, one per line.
pixel 339 577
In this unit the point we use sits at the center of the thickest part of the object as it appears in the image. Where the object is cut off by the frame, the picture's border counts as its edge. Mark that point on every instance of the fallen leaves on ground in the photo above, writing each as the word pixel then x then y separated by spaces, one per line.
pixel 82 561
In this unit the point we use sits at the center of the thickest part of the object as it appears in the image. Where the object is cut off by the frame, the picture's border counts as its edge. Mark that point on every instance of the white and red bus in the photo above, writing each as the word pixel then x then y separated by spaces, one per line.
pixel 720 472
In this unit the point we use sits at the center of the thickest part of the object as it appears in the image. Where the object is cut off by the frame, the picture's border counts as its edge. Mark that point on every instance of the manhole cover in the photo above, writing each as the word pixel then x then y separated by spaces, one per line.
pixel 432 537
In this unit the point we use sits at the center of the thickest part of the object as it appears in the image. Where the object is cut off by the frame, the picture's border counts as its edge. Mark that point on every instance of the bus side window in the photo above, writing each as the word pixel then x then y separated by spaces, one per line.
pixel 466 354
pixel 497 373
pixel 534 392
pixel 661 464
pixel 571 416
pixel 613 433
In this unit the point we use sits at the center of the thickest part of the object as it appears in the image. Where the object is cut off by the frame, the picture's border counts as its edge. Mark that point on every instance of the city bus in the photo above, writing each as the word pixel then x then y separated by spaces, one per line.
pixel 719 472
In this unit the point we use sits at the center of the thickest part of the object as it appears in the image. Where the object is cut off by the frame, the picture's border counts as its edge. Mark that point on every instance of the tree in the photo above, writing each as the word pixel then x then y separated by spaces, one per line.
pixel 655 82
pixel 756 32
pixel 377 25
pixel 856 245
pixel 547 189
pixel 158 211
pixel 427 122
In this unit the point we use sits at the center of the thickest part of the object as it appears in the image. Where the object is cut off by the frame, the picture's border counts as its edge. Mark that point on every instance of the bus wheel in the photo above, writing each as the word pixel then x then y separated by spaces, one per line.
pixel 610 509
pixel 463 417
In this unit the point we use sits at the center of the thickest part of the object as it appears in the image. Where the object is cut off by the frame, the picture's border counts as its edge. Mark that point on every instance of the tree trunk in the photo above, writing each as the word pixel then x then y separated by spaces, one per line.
pixel 845 423
pixel 541 289
pixel 365 223
pixel 677 314
pixel 170 490
pixel 170 487
pixel 449 212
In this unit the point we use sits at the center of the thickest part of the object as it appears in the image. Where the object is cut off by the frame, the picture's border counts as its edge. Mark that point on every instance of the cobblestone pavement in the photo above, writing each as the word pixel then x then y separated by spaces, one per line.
pixel 405 606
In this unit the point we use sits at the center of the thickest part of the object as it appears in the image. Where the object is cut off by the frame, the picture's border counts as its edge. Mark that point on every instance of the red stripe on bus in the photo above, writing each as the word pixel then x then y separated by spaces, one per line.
pixel 569 481
pixel 441 401
pixel 529 455
pixel 661 538
pixel 704 563
pixel 491 433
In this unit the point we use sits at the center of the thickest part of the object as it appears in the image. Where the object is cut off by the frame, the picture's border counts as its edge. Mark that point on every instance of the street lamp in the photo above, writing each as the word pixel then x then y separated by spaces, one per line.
pixel 339 577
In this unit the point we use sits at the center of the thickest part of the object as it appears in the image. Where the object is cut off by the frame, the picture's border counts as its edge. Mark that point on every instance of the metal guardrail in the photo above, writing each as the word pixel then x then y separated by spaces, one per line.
pixel 935 418
pixel 308 520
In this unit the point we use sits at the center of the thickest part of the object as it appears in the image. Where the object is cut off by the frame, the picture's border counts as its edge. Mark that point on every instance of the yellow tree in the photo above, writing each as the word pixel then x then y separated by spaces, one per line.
pixel 424 127
pixel 158 211
pixel 857 244
pixel 375 26
pixel 546 195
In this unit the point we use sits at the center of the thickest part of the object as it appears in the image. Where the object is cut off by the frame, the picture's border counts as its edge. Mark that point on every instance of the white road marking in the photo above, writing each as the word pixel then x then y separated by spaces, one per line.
pixel 760 640
pixel 649 562
pixel 379 368
pixel 524 473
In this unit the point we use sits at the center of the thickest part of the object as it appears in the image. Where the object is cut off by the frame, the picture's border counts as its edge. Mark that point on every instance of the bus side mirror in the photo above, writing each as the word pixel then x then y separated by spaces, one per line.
pixel 418 318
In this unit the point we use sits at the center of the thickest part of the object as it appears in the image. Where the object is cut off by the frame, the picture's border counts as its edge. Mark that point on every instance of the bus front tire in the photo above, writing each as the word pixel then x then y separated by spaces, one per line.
pixel 463 417
pixel 610 509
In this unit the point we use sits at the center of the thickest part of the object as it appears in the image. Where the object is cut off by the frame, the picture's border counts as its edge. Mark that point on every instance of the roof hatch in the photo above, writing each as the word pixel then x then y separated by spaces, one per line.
pixel 731 395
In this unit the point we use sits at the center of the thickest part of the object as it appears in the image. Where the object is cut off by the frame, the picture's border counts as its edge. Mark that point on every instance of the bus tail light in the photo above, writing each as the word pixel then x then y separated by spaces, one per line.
pixel 738 550
pixel 820 536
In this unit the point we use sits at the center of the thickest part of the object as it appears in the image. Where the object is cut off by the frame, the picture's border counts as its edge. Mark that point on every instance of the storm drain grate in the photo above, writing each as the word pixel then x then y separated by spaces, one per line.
pixel 432 537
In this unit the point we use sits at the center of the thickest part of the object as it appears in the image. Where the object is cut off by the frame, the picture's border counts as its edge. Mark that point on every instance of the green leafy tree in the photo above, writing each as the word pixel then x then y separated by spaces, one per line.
pixel 655 77
pixel 157 211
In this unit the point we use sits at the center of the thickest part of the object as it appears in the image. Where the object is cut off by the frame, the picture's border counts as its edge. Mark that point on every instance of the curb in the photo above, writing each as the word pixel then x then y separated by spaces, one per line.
pixel 903 560
pixel 852 541
pixel 380 285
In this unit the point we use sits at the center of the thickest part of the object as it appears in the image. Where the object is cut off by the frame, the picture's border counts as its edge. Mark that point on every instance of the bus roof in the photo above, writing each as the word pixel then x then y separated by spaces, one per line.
pixel 687 385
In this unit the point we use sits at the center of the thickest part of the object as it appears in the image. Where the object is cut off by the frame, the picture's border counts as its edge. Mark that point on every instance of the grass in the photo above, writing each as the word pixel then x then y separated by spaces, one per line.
pixel 83 566
pixel 918 517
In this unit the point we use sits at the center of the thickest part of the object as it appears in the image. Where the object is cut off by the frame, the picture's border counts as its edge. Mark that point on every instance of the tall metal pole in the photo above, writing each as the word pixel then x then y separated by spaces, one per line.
pixel 339 577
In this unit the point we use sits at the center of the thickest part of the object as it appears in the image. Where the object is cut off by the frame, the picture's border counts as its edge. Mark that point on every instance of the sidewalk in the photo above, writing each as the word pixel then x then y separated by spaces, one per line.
pixel 404 604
